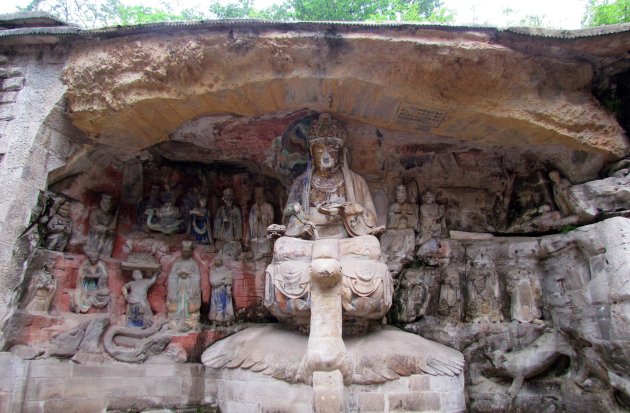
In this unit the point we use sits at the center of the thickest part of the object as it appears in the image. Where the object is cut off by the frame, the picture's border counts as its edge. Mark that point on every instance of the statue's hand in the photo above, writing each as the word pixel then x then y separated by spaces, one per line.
pixel 352 209
pixel 308 231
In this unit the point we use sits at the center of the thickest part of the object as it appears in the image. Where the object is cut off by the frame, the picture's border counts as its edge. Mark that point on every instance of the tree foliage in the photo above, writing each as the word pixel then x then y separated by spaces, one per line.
pixel 602 12
pixel 98 13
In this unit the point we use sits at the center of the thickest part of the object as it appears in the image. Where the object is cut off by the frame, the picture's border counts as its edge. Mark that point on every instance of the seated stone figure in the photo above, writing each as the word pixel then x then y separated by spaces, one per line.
pixel 398 242
pixel 328 267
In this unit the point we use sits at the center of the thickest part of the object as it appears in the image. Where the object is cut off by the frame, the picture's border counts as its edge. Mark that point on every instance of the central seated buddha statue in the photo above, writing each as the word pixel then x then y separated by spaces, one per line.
pixel 327 270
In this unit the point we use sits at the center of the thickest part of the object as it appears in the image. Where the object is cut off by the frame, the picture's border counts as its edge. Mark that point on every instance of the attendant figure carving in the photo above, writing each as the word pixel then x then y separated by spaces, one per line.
pixel 432 221
pixel 200 226
pixel 139 312
pixel 59 229
pixel 260 218
pixel 221 307
pixel 168 218
pixel 228 226
pixel 183 300
pixel 520 286
pixel 102 227
pixel 484 299
pixel 398 242
pixel 449 305
pixel 42 290
pixel 561 197
pixel 92 284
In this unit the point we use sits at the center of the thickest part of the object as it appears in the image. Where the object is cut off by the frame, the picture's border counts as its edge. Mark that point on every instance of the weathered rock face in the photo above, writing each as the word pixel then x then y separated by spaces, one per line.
pixel 160 118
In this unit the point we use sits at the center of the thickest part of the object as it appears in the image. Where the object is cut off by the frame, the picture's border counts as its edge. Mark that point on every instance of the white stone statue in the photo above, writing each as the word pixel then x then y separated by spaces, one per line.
pixel 521 288
pixel 561 187
pixel 183 300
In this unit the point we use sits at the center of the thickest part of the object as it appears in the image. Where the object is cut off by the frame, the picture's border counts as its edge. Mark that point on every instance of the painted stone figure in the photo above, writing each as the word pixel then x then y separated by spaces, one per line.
pixel 59 229
pixel 260 218
pixel 183 300
pixel 42 290
pixel 92 289
pixel 221 307
pixel 200 226
pixel 168 218
pixel 228 226
pixel 102 226
pixel 139 312
pixel 398 242
pixel 520 286
pixel 432 219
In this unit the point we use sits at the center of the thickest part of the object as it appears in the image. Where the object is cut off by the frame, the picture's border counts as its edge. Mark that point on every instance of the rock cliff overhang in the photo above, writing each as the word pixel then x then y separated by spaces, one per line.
pixel 511 90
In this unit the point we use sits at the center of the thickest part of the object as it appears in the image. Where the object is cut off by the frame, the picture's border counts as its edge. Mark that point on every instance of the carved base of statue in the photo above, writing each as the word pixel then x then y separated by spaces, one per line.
pixel 366 285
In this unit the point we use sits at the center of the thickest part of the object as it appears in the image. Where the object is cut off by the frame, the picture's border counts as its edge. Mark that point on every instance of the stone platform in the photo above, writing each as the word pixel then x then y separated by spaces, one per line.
pixel 54 385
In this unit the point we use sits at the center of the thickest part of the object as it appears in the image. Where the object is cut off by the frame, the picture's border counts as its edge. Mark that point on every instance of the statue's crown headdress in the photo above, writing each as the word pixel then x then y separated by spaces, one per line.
pixel 326 128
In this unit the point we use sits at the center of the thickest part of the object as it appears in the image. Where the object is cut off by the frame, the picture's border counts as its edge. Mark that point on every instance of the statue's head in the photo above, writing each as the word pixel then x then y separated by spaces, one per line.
pixel 326 138
pixel 187 249
pixel 428 197
pixel 92 256
pixel 136 275
pixel 64 210
pixel 106 203
pixel 228 196
pixel 259 195
pixel 401 194
pixel 203 201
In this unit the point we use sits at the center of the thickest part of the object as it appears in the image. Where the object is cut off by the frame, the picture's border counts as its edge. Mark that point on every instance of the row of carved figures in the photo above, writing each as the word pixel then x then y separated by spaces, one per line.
pixel 441 291
pixel 183 300
pixel 225 231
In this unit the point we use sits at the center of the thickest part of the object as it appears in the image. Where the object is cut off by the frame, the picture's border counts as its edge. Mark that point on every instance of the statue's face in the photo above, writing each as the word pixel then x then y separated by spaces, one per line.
pixel 106 204
pixel 326 155
pixel 187 252
pixel 428 198
pixel 203 202
pixel 64 210
pixel 137 275
pixel 401 196
pixel 229 200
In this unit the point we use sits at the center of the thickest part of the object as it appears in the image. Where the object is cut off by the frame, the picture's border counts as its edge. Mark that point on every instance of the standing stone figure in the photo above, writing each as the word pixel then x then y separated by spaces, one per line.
pixel 260 217
pixel 228 226
pixel 449 305
pixel 102 226
pixel 520 287
pixel 42 290
pixel 200 226
pixel 398 242
pixel 139 312
pixel 414 297
pixel 221 307
pixel 183 300
pixel 59 229
pixel 561 188
pixel 484 299
pixel 432 221
pixel 92 289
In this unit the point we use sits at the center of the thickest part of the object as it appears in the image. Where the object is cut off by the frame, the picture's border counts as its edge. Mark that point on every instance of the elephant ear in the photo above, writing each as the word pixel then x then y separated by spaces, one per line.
pixel 390 353
pixel 267 349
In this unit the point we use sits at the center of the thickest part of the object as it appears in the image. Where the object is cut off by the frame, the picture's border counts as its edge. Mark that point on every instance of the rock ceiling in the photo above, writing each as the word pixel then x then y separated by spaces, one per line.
pixel 410 85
